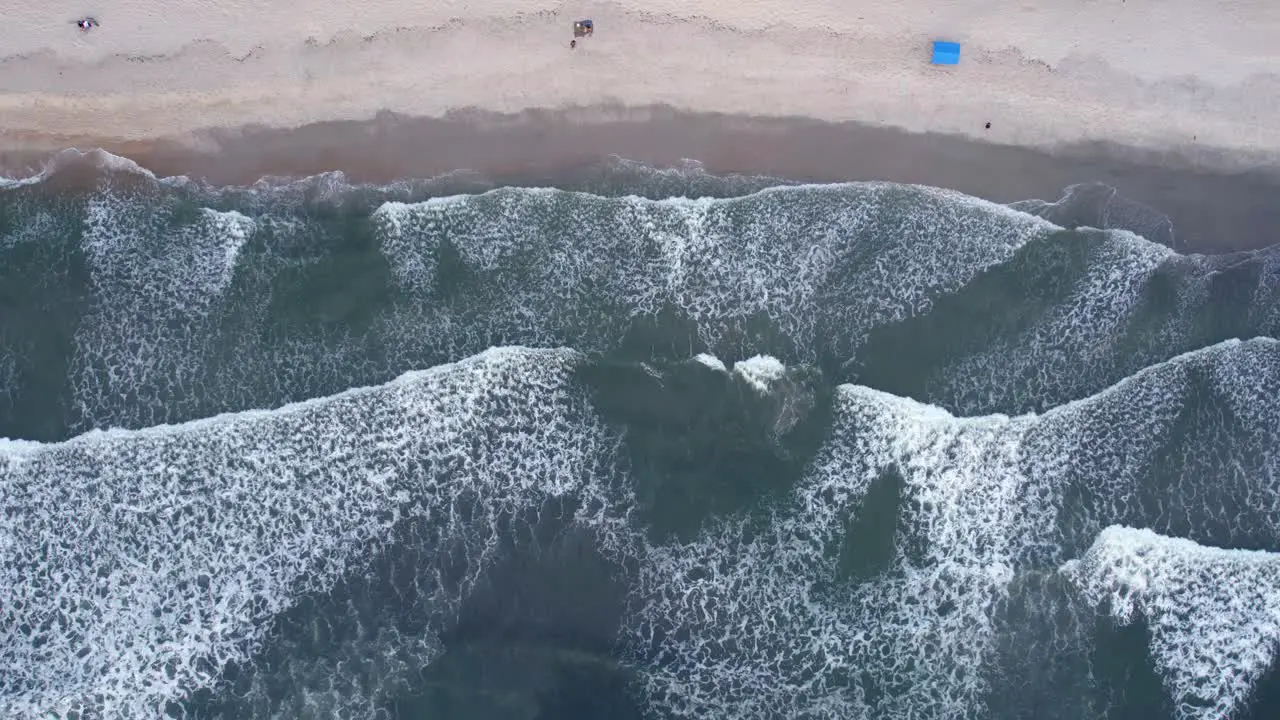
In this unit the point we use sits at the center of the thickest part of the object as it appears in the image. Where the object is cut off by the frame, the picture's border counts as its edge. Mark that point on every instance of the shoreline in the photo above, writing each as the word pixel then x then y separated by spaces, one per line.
pixel 1172 102
pixel 1196 81
pixel 1210 211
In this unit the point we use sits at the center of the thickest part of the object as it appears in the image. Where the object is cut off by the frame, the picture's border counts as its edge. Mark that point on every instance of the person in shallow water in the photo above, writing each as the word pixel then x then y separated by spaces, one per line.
pixel 86 24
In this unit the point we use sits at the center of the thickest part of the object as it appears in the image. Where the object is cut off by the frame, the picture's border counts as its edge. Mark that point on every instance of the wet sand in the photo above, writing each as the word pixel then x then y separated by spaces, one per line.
pixel 1211 211
pixel 1173 102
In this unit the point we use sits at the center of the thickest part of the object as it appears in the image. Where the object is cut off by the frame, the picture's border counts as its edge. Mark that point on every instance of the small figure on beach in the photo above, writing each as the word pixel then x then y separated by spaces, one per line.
pixel 988 126
pixel 86 24
pixel 573 44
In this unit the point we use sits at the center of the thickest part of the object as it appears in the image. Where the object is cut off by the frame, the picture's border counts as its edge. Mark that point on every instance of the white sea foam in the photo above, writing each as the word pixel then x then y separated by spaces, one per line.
pixel 414 263
pixel 544 258
pixel 17 450
pixel 732 629
pixel 182 268
pixel 821 266
pixel 759 623
pixel 764 628
pixel 824 266
pixel 97 157
pixel 1038 362
pixel 35 228
pixel 1201 427
pixel 9 382
pixel 153 318
pixel 760 372
pixel 1113 303
pixel 137 564
pixel 1213 614
pixel 711 361
pixel 542 267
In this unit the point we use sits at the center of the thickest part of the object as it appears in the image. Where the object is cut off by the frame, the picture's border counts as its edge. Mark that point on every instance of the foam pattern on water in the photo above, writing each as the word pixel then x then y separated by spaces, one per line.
pixel 1101 206
pixel 1213 614
pixel 731 628
pixel 156 284
pixel 8 375
pixel 959 532
pixel 136 565
pixel 754 623
pixel 285 292
pixel 201 301
pixel 1189 448
pixel 760 372
pixel 758 621
pixel 764 627
pixel 549 264
pixel 1074 338
pixel 1074 313
pixel 358 676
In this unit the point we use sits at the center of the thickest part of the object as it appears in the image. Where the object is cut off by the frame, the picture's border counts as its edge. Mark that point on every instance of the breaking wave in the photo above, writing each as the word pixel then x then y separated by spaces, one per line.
pixel 884 587
pixel 146 302
pixel 1214 614
pixel 140 565
pixel 821 451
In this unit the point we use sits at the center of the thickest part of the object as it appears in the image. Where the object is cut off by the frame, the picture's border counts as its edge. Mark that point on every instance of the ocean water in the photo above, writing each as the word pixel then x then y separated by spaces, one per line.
pixel 655 444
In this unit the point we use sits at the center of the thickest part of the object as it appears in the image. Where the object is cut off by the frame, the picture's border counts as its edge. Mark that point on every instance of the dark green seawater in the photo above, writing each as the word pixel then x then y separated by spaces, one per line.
pixel 448 450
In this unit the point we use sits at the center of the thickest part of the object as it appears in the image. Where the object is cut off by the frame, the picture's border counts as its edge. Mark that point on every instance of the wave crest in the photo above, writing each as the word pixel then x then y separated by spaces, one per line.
pixel 1214 614
pixel 141 564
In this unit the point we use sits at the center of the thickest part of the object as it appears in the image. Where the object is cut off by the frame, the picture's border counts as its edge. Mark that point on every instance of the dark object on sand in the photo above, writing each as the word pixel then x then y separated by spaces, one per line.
pixel 988 126
pixel 583 28
pixel 86 24
pixel 573 44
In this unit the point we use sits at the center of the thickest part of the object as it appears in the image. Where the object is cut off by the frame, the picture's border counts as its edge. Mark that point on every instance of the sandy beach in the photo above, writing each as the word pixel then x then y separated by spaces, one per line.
pixel 1196 78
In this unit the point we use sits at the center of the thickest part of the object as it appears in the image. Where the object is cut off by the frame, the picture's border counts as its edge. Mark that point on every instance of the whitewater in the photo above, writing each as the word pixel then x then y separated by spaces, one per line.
pixel 667 446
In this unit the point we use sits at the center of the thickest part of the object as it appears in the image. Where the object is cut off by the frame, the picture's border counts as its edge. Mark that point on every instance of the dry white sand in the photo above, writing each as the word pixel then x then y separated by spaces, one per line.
pixel 1192 76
